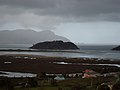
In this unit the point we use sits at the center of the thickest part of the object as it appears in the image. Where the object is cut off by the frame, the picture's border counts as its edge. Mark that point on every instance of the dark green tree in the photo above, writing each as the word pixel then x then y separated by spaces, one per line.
pixel 33 82
pixel 6 83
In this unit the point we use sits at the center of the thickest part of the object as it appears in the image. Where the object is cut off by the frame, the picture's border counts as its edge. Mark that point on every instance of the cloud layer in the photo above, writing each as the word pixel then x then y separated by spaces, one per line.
pixel 46 14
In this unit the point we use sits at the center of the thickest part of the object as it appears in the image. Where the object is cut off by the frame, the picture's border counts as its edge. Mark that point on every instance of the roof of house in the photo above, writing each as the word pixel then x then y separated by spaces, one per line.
pixel 59 78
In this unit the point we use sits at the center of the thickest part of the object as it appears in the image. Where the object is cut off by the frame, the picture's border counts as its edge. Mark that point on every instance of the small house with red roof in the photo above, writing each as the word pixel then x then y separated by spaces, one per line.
pixel 88 73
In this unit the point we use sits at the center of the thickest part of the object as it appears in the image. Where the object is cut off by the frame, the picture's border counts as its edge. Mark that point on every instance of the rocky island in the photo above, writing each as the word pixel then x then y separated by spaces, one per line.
pixel 116 48
pixel 56 45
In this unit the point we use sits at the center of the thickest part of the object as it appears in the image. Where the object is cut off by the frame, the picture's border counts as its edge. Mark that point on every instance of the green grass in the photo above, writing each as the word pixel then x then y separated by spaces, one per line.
pixel 68 84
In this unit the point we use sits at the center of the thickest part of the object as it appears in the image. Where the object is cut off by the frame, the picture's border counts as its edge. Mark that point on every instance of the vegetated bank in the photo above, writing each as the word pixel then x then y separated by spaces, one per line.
pixel 55 45
pixel 116 48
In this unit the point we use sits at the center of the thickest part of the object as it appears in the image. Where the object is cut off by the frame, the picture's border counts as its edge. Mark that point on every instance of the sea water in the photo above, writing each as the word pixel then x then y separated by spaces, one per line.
pixel 86 51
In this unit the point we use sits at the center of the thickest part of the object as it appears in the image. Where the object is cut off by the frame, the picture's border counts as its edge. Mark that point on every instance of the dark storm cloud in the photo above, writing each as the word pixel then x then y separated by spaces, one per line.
pixel 66 7
pixel 58 11
pixel 28 3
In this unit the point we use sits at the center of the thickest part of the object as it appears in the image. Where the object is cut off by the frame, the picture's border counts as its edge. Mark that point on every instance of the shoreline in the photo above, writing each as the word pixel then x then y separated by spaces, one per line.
pixel 37 64
pixel 58 53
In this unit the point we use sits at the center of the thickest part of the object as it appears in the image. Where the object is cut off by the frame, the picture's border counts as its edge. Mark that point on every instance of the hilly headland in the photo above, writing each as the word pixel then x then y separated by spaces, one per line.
pixel 55 45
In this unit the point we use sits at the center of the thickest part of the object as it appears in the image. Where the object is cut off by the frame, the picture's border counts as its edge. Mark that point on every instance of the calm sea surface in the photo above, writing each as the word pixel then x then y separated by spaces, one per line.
pixel 89 51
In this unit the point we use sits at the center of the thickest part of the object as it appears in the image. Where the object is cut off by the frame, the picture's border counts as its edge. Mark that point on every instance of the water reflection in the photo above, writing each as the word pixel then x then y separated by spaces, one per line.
pixel 16 74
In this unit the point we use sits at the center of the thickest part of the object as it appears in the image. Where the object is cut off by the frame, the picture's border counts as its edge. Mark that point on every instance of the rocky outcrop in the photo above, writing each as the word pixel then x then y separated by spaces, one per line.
pixel 56 45
pixel 116 48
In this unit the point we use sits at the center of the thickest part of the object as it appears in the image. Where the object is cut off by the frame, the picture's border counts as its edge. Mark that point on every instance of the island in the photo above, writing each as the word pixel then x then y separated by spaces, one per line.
pixel 55 45
pixel 116 48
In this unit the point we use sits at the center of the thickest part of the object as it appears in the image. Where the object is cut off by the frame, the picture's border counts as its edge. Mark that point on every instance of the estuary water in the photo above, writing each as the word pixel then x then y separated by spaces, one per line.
pixel 16 74
pixel 86 51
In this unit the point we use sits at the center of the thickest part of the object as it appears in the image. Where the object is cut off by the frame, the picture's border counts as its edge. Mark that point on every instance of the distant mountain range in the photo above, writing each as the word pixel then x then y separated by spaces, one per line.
pixel 28 36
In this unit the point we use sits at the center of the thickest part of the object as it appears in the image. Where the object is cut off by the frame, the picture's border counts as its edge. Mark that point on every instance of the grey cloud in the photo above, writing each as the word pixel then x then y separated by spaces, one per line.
pixel 48 13
pixel 68 7
pixel 77 8
pixel 28 3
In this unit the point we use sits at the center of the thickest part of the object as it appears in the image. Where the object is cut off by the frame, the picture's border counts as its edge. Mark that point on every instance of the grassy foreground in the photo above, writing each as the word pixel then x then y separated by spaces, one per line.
pixel 68 84
pixel 38 64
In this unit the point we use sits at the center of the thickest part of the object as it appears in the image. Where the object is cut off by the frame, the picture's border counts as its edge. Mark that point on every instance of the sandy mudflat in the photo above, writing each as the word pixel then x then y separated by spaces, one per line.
pixel 38 64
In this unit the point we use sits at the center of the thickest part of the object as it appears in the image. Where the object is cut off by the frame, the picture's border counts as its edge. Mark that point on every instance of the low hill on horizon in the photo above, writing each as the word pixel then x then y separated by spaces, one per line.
pixel 55 45
pixel 117 48
pixel 21 36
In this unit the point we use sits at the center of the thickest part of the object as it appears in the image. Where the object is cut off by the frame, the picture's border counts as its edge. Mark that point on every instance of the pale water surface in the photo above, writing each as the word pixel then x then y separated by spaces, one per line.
pixel 87 51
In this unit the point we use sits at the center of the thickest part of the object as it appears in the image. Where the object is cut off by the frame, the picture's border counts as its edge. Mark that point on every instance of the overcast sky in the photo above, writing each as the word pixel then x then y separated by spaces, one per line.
pixel 83 21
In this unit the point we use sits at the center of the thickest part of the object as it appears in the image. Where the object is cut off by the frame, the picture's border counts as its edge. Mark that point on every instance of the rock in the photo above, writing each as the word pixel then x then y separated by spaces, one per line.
pixel 116 48
pixel 56 45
